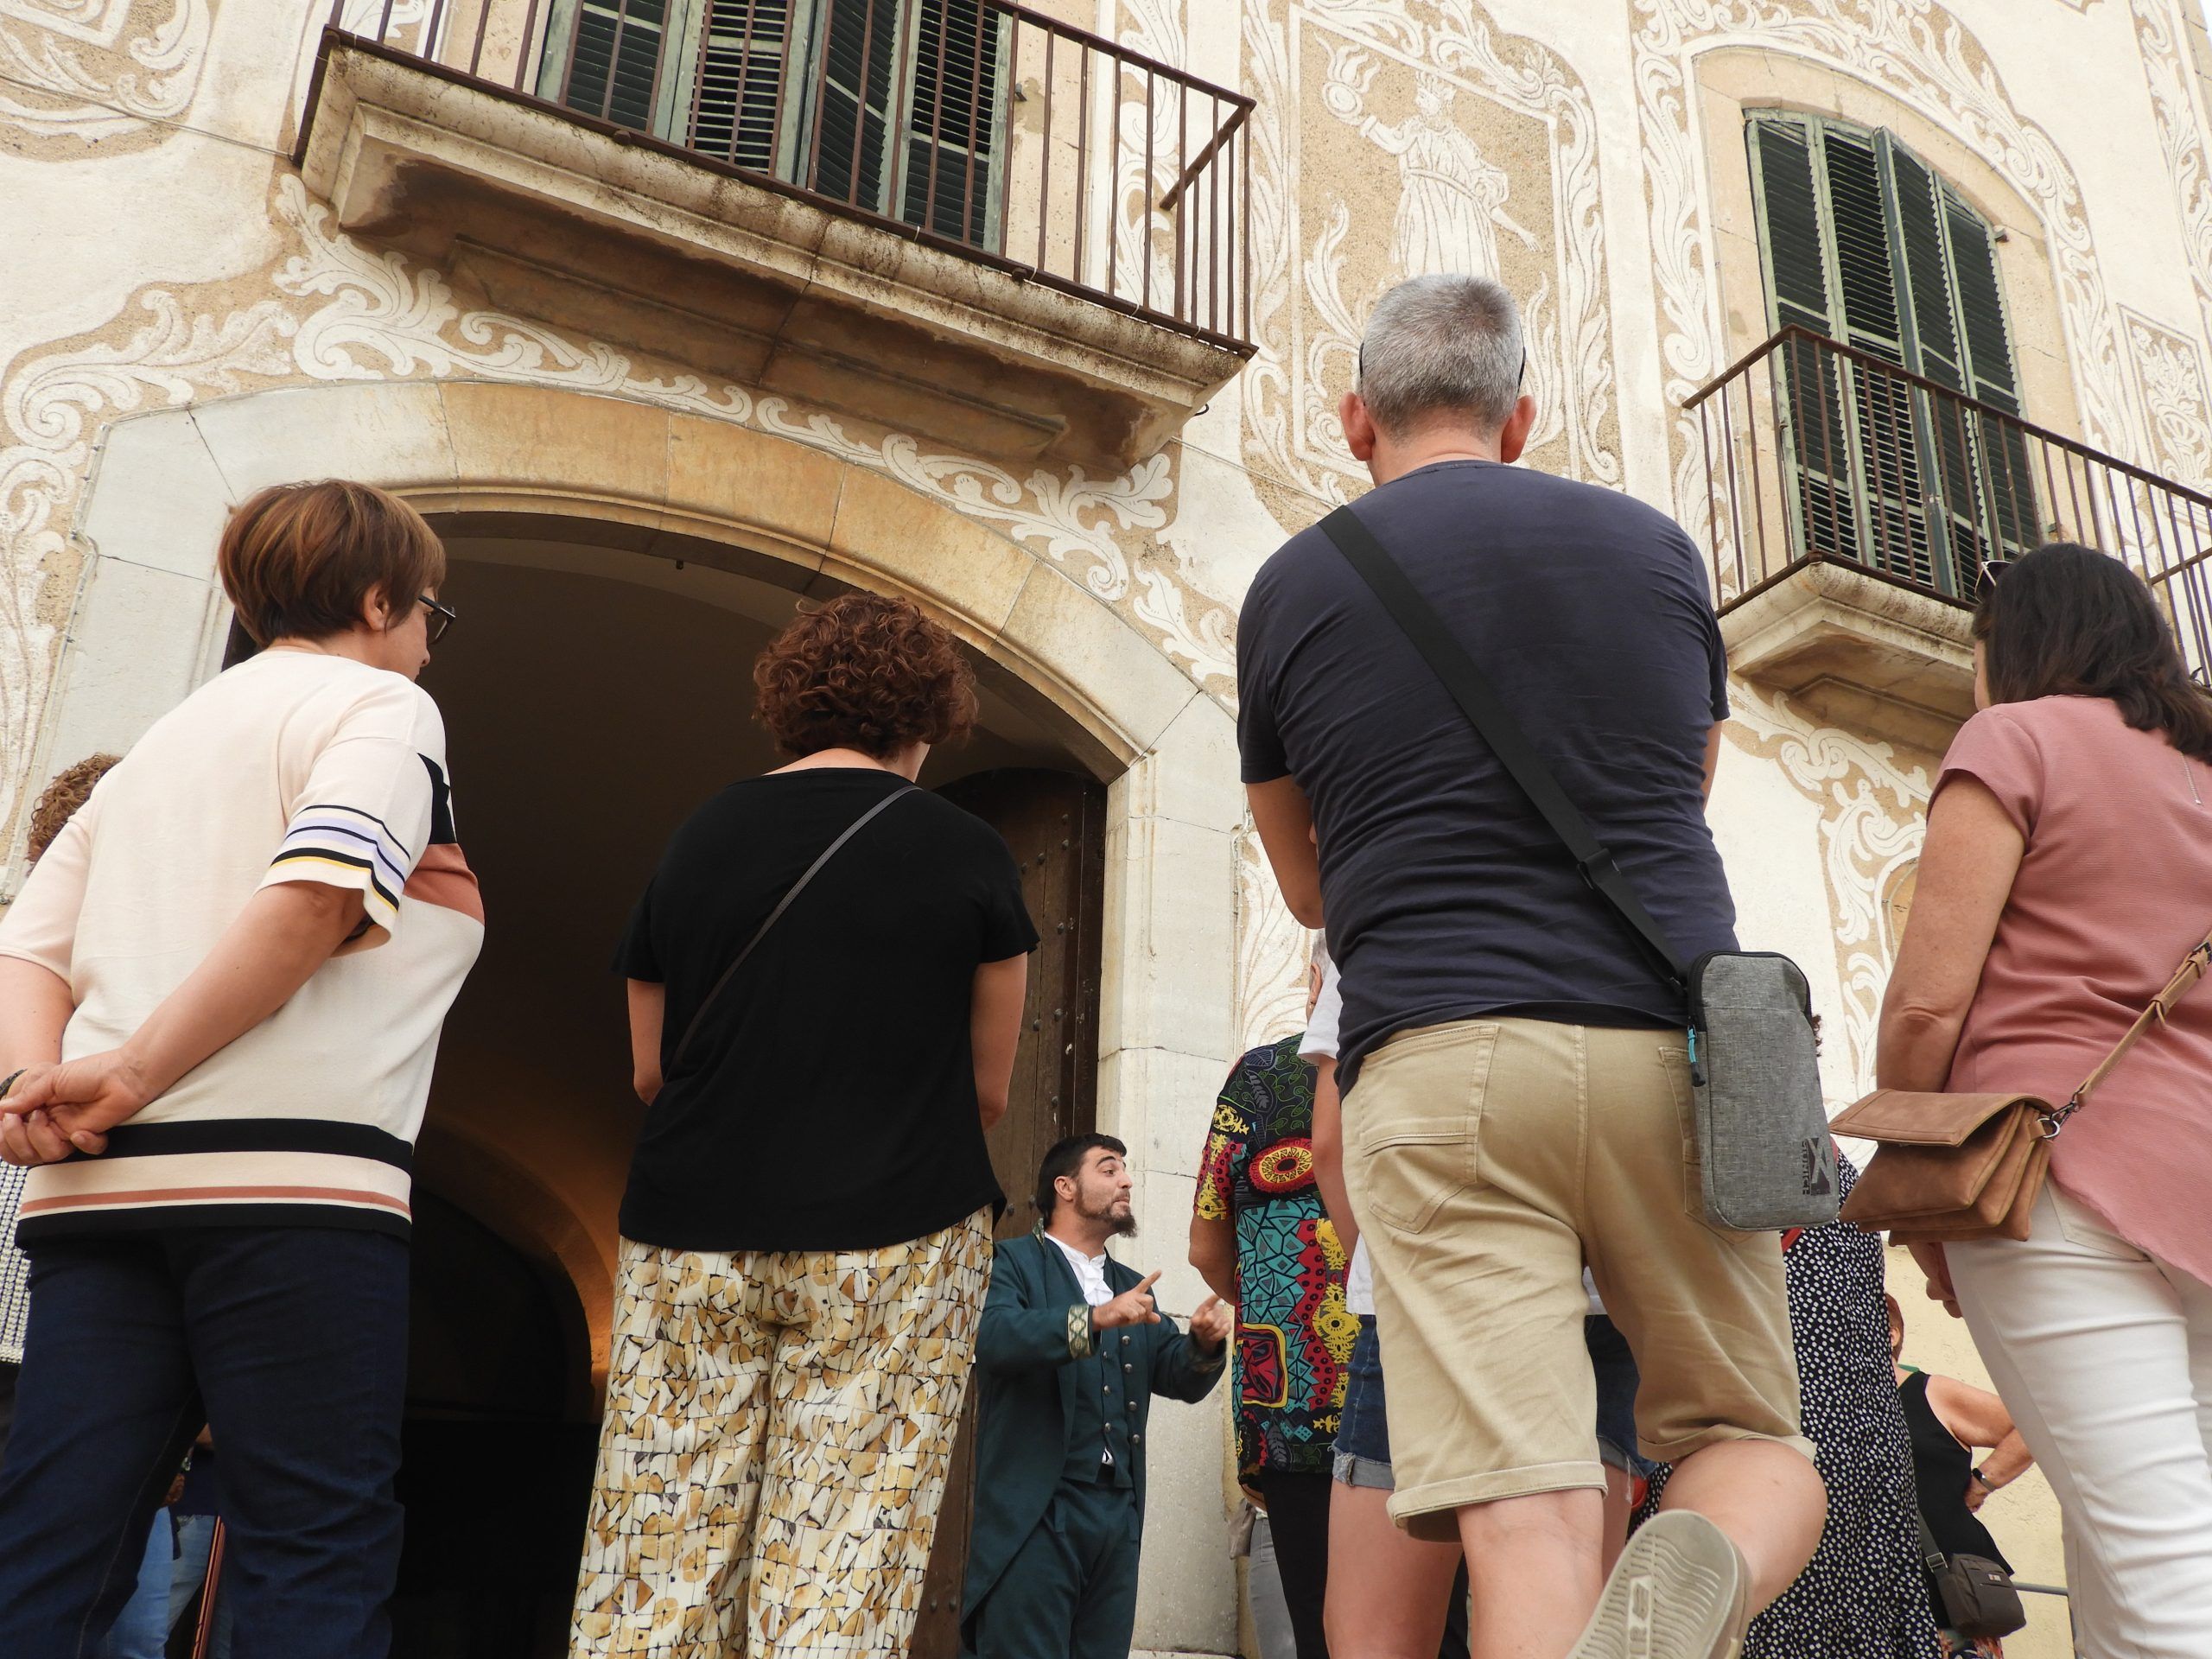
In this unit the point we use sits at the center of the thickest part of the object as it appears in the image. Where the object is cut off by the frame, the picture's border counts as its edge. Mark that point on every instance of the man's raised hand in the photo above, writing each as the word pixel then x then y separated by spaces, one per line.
pixel 1211 1324
pixel 1132 1306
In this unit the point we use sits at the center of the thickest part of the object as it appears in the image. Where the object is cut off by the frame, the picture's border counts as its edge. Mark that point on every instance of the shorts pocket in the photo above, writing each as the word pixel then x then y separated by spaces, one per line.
pixel 1675 1063
pixel 1417 1111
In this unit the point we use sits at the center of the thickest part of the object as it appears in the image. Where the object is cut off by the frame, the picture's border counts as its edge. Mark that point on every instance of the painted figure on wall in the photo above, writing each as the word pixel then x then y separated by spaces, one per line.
pixel 1451 196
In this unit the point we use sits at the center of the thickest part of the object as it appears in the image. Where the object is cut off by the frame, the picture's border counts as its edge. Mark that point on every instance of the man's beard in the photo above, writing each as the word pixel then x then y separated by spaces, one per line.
pixel 1124 1225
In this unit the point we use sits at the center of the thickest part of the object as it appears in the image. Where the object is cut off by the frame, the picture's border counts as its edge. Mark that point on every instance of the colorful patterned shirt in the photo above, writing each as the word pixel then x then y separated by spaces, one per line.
pixel 1294 1337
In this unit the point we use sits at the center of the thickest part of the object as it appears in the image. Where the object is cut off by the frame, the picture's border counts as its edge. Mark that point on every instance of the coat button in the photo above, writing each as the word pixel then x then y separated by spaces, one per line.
pixel 1128 1368
pixel 1134 1439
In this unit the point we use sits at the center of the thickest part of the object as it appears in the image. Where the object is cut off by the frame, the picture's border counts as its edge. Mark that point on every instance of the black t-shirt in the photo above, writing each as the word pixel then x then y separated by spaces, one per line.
pixel 828 1100
pixel 1447 898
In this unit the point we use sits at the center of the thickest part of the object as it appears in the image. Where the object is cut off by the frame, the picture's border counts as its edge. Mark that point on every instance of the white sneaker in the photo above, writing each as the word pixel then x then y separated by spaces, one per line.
pixel 1678 1591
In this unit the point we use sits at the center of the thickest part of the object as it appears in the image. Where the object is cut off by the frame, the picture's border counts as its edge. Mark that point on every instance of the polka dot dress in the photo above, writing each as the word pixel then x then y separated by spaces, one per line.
pixel 1862 1596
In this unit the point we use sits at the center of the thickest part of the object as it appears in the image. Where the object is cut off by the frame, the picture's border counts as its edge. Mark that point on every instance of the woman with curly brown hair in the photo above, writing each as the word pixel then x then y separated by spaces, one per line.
pixel 825 984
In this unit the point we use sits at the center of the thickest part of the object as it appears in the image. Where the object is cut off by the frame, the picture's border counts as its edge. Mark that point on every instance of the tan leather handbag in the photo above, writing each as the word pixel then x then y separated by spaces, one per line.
pixel 1954 1166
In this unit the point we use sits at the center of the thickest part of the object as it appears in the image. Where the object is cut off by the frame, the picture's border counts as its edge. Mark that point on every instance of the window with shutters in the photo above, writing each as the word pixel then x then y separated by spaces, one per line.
pixel 1864 245
pixel 894 105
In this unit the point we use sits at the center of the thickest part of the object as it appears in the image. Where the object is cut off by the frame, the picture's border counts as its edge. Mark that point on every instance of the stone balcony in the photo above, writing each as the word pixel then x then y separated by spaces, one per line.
pixel 583 224
pixel 1851 508
pixel 1856 650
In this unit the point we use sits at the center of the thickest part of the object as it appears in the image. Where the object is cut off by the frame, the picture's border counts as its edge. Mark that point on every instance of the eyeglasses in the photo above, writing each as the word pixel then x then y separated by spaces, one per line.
pixel 1359 367
pixel 442 616
pixel 1985 581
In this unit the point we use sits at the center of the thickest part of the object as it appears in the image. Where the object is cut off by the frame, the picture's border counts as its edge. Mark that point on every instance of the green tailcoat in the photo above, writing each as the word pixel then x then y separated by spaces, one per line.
pixel 1036 1328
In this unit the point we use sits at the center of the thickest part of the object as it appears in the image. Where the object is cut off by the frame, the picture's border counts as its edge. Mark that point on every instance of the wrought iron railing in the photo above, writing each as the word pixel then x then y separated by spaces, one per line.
pixel 979 126
pixel 1815 451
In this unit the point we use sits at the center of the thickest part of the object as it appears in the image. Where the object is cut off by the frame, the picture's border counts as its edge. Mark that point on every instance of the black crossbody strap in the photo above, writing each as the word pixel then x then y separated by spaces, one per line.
pixel 1931 1552
pixel 1470 688
pixel 775 915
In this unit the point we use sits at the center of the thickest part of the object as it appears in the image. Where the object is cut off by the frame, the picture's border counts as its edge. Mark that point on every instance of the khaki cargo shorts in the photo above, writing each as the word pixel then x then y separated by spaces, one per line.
pixel 1487 1161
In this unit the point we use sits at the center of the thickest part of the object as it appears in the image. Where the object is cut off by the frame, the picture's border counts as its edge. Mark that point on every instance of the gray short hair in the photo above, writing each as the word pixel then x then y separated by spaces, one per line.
pixel 1445 346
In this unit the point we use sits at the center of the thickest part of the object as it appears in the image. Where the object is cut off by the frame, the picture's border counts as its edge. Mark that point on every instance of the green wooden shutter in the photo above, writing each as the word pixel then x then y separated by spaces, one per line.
pixel 614 71
pixel 1862 243
pixel 1894 531
pixel 851 60
pixel 1794 246
pixel 1990 374
pixel 1980 307
pixel 1931 338
pixel 952 128
pixel 743 61
pixel 1789 217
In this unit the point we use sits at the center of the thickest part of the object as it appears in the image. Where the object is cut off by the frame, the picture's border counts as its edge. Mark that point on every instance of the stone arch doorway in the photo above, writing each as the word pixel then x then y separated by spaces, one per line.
pixel 597 699
pixel 496 1446
pixel 627 500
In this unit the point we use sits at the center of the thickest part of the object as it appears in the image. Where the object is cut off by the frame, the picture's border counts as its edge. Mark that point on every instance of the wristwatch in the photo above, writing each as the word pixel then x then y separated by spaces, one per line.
pixel 1987 1484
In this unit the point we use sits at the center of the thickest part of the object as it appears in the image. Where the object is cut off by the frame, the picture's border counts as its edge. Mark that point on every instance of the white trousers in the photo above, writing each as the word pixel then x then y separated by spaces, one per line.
pixel 2103 1356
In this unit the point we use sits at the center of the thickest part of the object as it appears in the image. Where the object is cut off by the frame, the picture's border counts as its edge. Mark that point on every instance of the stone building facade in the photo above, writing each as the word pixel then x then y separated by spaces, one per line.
pixel 1044 324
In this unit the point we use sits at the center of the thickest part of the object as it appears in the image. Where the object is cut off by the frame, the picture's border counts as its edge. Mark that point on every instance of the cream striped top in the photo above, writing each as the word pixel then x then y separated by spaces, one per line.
pixel 292 766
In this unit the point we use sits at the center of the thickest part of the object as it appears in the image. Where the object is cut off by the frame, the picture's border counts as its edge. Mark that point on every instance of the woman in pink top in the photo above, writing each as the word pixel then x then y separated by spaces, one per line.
pixel 2068 869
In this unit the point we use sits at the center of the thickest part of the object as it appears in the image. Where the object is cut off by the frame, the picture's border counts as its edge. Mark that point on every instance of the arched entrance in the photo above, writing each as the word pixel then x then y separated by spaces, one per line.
pixel 497 1449
pixel 573 515
pixel 588 713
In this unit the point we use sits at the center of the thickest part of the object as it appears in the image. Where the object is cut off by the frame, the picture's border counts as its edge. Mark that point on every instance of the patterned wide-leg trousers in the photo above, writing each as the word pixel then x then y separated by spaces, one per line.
pixel 778 1428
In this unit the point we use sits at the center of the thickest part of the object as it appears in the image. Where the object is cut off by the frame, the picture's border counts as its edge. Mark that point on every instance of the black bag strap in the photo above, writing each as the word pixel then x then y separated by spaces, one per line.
pixel 775 915
pixel 1472 690
pixel 1931 1552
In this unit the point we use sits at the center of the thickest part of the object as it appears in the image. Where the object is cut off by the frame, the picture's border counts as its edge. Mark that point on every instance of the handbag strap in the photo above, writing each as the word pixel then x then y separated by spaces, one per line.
pixel 1479 700
pixel 1931 1552
pixel 2194 967
pixel 775 915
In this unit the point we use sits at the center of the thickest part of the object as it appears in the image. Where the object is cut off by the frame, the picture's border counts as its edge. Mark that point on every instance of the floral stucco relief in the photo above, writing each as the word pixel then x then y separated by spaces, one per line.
pixel 74 73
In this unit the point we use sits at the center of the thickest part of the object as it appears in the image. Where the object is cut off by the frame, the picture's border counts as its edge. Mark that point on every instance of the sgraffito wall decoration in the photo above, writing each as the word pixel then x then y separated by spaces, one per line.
pixel 2177 408
pixel 1873 799
pixel 78 73
pixel 335 308
pixel 1470 150
pixel 1915 51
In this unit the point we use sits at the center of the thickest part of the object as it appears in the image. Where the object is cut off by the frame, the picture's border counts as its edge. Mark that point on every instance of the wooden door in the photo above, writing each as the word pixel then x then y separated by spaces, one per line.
pixel 1056 825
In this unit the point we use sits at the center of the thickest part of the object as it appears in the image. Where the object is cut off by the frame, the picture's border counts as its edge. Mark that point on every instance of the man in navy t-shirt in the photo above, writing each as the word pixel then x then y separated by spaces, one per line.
pixel 1518 1097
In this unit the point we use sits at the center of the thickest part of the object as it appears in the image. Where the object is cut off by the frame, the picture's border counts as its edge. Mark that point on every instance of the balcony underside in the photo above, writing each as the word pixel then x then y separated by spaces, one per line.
pixel 642 245
pixel 1858 651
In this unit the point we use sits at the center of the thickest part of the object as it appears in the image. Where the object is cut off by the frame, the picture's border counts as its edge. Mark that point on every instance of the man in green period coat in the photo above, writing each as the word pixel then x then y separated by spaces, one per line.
pixel 1071 1352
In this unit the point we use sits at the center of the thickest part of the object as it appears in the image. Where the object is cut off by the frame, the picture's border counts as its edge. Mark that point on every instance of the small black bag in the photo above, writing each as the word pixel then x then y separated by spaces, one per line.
pixel 1977 1595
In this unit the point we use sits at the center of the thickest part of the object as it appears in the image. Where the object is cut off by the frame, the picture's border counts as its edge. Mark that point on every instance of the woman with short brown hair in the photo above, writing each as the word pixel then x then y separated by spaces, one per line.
pixel 220 994
pixel 2068 869
pixel 825 989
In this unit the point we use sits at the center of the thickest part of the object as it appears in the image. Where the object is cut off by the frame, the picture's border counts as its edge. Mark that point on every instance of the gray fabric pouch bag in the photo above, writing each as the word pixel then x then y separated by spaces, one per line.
pixel 1768 1160
pixel 1762 1139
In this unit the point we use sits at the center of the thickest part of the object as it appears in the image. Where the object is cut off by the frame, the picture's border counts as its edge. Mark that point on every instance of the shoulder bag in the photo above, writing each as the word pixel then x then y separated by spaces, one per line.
pixel 1768 1162
pixel 782 904
pixel 1975 1596
pixel 1971 1165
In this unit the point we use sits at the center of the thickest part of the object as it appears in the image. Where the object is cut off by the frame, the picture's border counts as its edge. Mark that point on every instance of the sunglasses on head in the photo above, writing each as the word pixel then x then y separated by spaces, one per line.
pixel 1985 581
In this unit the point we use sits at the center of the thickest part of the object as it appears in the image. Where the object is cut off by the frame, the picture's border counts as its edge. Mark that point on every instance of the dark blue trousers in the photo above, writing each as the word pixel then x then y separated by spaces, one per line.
pixel 291 1344
pixel 1071 1588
